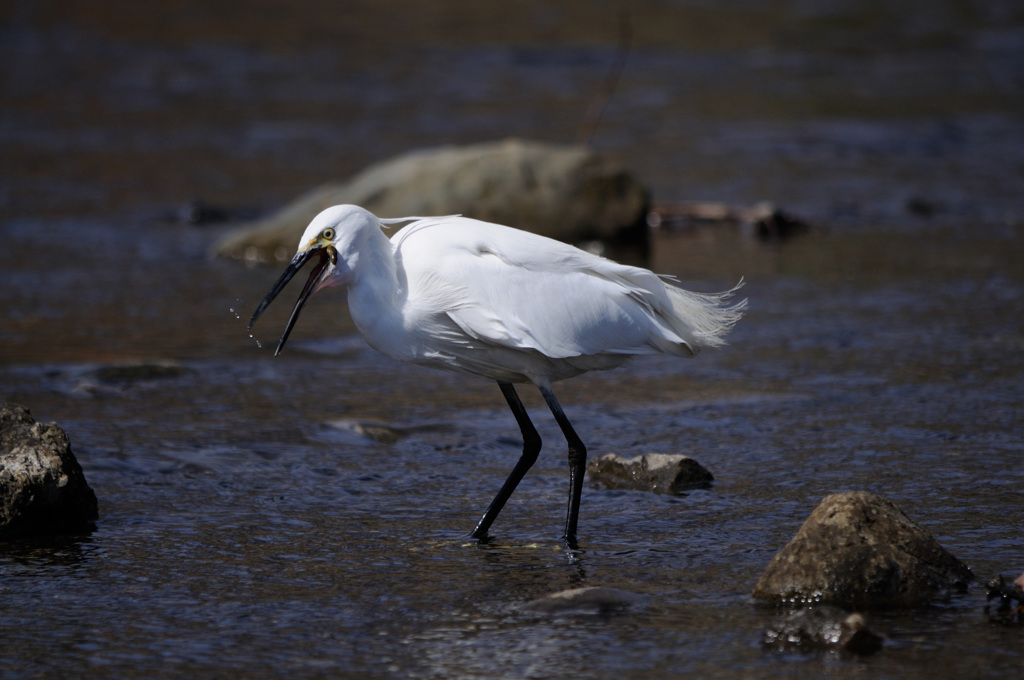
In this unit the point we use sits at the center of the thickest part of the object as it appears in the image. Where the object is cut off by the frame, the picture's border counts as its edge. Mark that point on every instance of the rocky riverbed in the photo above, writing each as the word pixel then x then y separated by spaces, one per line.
pixel 306 515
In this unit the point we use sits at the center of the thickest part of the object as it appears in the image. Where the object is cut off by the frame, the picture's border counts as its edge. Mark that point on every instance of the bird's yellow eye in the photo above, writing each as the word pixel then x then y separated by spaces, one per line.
pixel 327 234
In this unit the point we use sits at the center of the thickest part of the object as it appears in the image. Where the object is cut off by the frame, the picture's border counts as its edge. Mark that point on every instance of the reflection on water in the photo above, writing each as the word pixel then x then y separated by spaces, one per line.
pixel 307 514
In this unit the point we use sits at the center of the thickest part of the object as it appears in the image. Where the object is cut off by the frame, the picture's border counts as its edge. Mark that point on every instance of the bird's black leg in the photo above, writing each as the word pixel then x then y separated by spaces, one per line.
pixel 577 464
pixel 531 448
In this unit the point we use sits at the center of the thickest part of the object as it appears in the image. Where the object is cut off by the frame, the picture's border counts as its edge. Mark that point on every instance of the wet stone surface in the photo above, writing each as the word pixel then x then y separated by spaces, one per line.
pixel 656 472
pixel 823 627
pixel 860 550
pixel 43 491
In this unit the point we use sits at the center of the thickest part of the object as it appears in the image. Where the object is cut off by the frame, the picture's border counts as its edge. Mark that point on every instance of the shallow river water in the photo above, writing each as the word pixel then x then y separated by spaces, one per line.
pixel 305 515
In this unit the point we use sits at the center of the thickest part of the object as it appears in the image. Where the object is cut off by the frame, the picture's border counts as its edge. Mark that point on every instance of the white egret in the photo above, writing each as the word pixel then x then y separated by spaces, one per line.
pixel 503 304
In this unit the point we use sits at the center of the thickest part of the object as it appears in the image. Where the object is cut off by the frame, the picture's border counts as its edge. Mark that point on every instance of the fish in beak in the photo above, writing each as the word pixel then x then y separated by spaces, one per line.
pixel 327 255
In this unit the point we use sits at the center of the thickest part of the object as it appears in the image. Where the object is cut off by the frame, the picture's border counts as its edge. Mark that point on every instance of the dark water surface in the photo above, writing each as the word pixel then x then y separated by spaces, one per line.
pixel 305 515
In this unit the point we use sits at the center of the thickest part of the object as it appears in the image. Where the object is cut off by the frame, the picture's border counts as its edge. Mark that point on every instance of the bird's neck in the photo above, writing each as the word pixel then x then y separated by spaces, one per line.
pixel 374 293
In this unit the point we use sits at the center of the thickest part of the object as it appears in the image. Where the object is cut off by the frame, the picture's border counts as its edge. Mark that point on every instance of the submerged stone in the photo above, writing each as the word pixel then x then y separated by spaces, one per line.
pixel 137 372
pixel 570 193
pixel 657 472
pixel 822 626
pixel 1005 600
pixel 859 550
pixel 378 432
pixel 762 221
pixel 592 600
pixel 42 486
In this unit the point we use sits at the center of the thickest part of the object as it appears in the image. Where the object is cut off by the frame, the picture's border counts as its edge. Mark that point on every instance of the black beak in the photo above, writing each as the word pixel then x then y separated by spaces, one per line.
pixel 327 254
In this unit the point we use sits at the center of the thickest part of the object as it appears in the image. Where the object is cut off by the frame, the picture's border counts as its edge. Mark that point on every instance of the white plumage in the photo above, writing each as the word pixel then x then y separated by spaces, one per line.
pixel 501 303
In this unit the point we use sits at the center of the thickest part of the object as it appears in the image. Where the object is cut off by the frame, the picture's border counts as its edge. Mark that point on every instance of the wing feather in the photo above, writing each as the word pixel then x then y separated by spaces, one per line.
pixel 514 289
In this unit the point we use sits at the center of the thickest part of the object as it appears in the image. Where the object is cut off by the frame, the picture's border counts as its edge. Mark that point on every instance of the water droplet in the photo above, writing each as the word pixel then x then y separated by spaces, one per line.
pixel 238 316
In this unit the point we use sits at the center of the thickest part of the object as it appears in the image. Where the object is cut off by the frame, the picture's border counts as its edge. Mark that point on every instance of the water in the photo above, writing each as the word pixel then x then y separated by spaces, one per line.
pixel 305 515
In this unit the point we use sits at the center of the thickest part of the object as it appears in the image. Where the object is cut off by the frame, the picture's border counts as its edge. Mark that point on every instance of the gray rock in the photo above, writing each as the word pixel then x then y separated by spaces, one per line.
pixel 42 487
pixel 586 601
pixel 569 193
pixel 859 550
pixel 823 627
pixel 657 472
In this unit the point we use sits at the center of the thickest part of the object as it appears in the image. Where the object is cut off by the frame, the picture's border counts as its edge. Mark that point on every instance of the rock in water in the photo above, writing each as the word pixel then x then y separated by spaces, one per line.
pixel 1009 600
pixel 657 472
pixel 859 550
pixel 593 600
pixel 42 487
pixel 569 193
pixel 823 627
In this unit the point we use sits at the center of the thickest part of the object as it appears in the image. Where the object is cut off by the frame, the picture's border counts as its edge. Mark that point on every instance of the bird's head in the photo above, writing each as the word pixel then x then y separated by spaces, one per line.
pixel 332 241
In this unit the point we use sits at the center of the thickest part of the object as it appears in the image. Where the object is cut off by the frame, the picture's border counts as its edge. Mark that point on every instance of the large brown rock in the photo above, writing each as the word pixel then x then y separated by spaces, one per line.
pixel 42 486
pixel 570 193
pixel 859 550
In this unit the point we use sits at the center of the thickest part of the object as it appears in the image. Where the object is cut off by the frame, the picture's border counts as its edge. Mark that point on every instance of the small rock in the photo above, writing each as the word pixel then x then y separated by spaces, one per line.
pixel 779 226
pixel 823 627
pixel 381 433
pixel 42 486
pixel 198 211
pixel 763 221
pixel 923 207
pixel 116 379
pixel 137 372
pixel 570 193
pixel 859 550
pixel 586 601
pixel 372 431
pixel 657 472
pixel 1010 600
